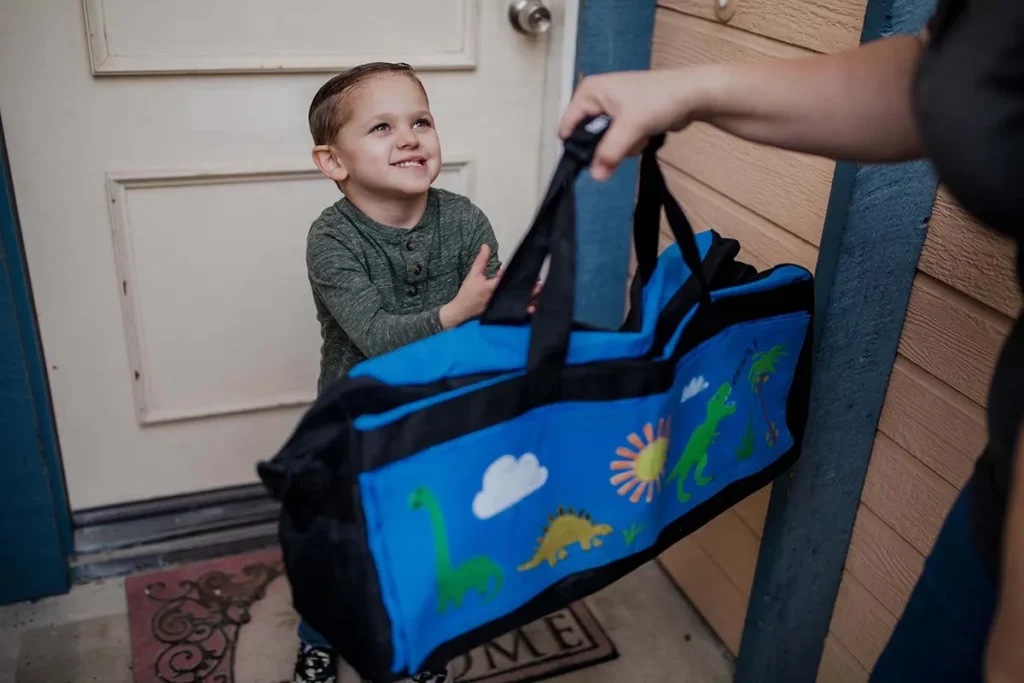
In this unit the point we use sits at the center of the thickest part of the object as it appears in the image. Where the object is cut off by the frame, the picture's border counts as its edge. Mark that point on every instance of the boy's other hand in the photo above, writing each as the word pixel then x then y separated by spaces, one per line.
pixel 473 295
pixel 532 308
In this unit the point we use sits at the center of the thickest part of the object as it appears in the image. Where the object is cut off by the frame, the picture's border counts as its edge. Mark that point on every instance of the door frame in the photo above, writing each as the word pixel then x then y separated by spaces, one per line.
pixel 35 514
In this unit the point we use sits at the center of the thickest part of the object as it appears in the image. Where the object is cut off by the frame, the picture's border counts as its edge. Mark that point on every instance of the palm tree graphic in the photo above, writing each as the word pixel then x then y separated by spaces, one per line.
pixel 763 366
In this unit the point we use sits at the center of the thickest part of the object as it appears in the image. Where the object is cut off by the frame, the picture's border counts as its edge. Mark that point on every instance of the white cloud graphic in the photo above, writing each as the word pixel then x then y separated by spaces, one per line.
pixel 696 385
pixel 506 482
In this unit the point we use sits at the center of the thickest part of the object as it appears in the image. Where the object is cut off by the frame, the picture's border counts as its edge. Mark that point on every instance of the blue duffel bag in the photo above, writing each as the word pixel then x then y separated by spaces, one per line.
pixel 455 489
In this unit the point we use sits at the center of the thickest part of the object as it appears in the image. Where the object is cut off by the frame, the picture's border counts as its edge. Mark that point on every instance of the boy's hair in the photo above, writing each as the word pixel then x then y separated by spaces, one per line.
pixel 327 111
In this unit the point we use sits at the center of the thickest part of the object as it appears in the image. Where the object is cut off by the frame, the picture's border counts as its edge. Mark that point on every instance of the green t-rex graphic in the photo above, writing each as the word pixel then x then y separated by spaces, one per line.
pixel 696 452
pixel 454 582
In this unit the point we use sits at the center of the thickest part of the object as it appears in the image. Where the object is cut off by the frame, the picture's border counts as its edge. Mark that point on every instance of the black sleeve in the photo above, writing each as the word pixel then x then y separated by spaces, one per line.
pixel 945 14
pixel 969 99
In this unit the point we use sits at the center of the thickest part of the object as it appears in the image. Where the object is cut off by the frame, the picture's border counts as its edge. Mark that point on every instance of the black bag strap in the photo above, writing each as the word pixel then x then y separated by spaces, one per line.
pixel 653 195
pixel 512 296
pixel 553 233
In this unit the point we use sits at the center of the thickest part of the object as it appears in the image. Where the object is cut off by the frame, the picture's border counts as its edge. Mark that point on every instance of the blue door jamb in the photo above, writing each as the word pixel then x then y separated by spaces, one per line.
pixel 35 521
pixel 613 35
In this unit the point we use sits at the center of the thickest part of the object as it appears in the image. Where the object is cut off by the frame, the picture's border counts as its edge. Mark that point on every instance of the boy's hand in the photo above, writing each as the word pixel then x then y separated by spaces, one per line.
pixel 532 308
pixel 475 292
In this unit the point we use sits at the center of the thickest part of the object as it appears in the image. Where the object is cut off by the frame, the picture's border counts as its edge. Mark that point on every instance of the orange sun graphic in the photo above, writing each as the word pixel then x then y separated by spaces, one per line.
pixel 645 466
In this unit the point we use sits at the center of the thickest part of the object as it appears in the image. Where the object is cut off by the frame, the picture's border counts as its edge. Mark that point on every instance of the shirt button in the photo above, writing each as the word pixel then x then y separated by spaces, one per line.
pixel 412 290
pixel 410 245
pixel 418 269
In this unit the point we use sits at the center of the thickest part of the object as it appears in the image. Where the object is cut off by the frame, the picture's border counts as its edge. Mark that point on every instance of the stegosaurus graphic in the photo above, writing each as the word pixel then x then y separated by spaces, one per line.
pixel 564 529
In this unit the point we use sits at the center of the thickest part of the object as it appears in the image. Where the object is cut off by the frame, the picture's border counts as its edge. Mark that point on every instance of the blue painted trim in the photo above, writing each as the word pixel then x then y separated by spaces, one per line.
pixel 35 520
pixel 874 229
pixel 613 35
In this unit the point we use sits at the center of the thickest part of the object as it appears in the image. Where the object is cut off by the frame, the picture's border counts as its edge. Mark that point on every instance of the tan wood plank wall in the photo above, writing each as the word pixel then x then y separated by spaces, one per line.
pixel 774 203
pixel 931 430
pixel 932 424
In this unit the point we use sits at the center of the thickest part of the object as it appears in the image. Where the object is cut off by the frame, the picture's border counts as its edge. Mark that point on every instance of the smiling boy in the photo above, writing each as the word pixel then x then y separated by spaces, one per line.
pixel 395 260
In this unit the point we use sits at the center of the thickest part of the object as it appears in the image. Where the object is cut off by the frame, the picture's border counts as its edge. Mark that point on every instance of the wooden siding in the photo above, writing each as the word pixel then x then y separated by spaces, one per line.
pixel 931 430
pixel 774 203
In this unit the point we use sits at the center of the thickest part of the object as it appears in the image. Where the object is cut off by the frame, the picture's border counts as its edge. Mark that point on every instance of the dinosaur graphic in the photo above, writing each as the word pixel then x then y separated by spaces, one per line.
pixel 761 370
pixel 564 529
pixel 696 452
pixel 454 582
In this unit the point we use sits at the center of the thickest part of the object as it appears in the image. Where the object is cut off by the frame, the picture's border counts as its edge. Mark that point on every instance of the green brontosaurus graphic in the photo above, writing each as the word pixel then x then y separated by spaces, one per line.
pixel 454 582
pixel 761 369
pixel 696 452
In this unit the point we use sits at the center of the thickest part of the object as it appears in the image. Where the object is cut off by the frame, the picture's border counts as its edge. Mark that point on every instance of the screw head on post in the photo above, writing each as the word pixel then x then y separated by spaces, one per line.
pixel 724 9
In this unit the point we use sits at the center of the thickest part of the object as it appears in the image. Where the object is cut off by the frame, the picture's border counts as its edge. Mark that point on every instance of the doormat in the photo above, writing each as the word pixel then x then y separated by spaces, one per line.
pixel 231 621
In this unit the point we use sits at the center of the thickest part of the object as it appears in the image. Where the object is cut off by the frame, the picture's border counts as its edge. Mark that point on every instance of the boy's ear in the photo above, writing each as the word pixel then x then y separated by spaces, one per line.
pixel 329 163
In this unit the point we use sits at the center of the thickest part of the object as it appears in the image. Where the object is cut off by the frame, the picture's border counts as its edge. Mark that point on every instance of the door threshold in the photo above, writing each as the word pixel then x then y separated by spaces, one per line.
pixel 135 537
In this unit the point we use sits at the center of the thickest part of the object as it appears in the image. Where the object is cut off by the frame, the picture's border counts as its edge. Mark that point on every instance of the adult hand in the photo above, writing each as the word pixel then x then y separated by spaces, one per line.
pixel 640 104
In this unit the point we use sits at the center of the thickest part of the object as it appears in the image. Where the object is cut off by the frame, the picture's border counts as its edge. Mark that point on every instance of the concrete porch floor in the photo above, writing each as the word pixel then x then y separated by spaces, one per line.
pixel 83 637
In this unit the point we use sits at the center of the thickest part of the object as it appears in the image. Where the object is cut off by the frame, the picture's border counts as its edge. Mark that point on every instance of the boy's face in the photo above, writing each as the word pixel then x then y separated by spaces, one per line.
pixel 388 144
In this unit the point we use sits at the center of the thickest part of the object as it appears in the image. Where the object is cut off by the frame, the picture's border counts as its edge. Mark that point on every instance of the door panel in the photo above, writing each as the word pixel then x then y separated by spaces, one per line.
pixel 160 157
pixel 138 36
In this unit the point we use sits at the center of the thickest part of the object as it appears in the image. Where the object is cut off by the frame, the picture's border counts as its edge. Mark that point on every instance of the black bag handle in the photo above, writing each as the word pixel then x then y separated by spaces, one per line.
pixel 554 232
pixel 652 195
pixel 512 296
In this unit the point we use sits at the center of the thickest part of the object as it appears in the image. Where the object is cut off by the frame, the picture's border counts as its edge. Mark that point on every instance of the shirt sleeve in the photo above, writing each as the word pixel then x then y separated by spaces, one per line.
pixel 945 12
pixel 343 284
pixel 970 106
pixel 479 233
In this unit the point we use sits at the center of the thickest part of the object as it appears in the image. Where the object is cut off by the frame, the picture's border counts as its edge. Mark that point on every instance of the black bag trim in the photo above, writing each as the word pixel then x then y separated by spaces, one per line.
pixel 600 381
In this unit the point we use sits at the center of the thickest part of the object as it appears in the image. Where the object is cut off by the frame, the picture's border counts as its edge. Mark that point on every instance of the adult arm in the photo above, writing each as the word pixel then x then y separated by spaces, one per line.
pixel 854 105
pixel 343 284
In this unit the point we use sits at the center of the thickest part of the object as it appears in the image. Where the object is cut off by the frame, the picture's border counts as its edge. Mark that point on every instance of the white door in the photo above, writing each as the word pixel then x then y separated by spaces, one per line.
pixel 161 164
